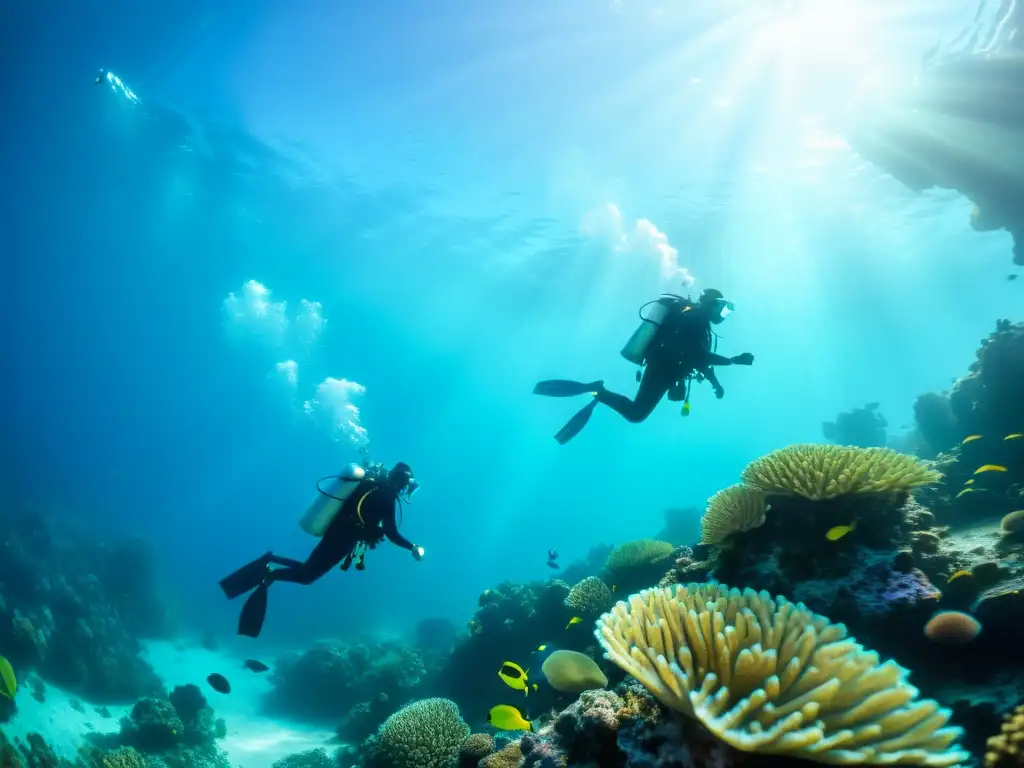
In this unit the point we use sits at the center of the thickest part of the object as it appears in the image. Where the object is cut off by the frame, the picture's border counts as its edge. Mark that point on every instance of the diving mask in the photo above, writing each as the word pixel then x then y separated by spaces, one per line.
pixel 410 488
pixel 724 308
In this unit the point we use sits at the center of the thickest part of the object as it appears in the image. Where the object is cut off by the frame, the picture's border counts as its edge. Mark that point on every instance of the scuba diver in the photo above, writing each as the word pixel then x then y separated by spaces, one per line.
pixel 357 511
pixel 673 345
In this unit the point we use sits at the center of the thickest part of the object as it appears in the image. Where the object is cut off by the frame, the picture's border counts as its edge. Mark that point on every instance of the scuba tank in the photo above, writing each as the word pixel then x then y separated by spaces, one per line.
pixel 330 498
pixel 636 348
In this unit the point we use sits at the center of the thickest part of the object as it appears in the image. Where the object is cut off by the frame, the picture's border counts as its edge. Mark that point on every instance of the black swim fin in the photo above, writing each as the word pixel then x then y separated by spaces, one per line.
pixel 576 424
pixel 250 622
pixel 566 388
pixel 246 578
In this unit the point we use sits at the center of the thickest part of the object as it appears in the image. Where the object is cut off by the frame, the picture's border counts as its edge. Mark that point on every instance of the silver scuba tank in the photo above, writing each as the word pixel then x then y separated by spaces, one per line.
pixel 636 348
pixel 330 498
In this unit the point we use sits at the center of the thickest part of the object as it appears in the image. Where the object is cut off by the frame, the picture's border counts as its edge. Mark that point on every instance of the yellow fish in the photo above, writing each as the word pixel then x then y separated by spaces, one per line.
pixel 835 534
pixel 1014 436
pixel 573 620
pixel 958 575
pixel 970 482
pixel 969 438
pixel 8 684
pixel 989 468
pixel 965 490
pixel 506 718
pixel 542 647
pixel 514 677
pixel 614 588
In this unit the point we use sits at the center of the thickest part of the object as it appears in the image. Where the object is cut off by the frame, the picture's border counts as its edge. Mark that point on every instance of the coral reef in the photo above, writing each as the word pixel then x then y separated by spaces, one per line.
pixel 311 758
pixel 474 749
pixel 1006 750
pixel 68 610
pixel 358 684
pixel 786 682
pixel 511 622
pixel 735 509
pixel 637 563
pixel 861 427
pixel 180 731
pixel 425 734
pixel 590 598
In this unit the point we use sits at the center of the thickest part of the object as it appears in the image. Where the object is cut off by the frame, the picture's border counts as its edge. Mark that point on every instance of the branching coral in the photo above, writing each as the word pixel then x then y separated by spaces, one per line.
pixel 1007 748
pixel 819 472
pixel 591 597
pixel 732 510
pixel 766 675
pixel 124 757
pixel 425 734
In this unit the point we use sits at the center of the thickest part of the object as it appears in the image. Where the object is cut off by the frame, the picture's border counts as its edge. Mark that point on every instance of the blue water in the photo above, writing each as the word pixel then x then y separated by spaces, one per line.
pixel 438 176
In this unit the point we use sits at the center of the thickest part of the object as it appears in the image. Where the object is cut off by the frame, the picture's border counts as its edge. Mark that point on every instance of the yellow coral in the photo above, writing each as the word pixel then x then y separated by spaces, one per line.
pixel 737 508
pixel 821 472
pixel 1007 748
pixel 637 554
pixel 766 675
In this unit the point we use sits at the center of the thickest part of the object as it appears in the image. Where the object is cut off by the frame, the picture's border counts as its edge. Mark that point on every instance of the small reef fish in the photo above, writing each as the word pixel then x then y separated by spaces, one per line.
pixel 970 482
pixel 958 575
pixel 255 666
pixel 515 677
pixel 8 683
pixel 1012 276
pixel 989 468
pixel 1014 436
pixel 969 438
pixel 573 621
pixel 219 683
pixel 965 490
pixel 836 533
pixel 506 718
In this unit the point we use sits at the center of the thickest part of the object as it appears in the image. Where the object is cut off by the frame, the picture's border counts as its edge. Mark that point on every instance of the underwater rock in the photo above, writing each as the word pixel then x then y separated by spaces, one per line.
pixel 331 679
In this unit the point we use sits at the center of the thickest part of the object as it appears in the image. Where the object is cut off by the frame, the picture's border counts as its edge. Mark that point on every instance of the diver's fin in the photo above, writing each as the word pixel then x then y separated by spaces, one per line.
pixel 246 578
pixel 566 388
pixel 250 623
pixel 576 424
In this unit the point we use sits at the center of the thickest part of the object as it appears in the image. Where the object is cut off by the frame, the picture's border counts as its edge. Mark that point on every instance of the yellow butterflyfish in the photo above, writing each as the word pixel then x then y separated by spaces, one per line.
pixel 836 533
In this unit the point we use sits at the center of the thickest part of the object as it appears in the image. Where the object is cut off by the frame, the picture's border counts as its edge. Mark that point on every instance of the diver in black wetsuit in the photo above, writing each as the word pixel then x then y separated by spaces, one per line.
pixel 368 515
pixel 678 351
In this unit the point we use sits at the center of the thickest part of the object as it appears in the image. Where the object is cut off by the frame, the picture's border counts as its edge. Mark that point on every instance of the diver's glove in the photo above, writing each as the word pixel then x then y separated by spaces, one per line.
pixel 745 359
pixel 417 553
pixel 719 392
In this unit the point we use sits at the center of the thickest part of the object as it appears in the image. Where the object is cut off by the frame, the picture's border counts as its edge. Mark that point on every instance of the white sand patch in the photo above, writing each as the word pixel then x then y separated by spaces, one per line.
pixel 60 723
pixel 253 739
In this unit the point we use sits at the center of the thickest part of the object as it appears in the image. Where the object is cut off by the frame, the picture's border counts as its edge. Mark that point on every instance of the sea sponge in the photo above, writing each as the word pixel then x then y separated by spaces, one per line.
pixel 423 734
pixel 952 628
pixel 735 509
pixel 1007 748
pixel 820 472
pixel 1013 522
pixel 572 672
pixel 636 556
pixel 766 675
pixel 590 597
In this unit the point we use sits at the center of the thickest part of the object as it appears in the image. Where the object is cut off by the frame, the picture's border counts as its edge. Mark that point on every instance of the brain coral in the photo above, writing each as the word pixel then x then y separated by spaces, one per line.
pixel 590 597
pixel 737 508
pixel 766 675
pixel 425 734
pixel 820 472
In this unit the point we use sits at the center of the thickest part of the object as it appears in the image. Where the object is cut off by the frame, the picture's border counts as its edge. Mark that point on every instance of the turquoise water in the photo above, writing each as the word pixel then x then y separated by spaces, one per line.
pixel 274 236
